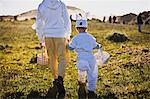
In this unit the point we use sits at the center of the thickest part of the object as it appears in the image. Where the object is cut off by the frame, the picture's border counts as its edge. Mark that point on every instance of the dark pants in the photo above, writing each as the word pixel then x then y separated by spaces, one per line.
pixel 139 27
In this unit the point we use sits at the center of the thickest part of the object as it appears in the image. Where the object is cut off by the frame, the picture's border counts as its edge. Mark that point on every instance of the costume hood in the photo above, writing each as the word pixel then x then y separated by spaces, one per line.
pixel 52 4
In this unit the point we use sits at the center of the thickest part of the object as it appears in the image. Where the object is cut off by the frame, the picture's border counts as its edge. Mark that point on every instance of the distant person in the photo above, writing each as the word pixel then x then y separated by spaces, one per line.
pixel 124 22
pixel 84 43
pixel 114 19
pixel 110 19
pixel 54 24
pixel 139 22
pixel 104 18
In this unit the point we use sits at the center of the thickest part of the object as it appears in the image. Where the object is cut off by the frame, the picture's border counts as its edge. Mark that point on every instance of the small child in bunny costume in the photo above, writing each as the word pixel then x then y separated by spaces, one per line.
pixel 84 43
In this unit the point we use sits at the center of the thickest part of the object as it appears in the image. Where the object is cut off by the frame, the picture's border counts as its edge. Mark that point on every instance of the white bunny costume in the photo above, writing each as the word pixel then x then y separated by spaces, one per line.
pixel 83 44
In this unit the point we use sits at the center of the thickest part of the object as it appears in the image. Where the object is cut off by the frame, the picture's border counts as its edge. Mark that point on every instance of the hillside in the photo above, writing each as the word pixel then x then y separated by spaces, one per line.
pixel 131 18
pixel 127 19
pixel 31 14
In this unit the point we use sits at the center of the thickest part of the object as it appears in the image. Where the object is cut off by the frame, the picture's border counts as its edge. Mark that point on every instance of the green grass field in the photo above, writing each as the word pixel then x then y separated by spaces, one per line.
pixel 126 75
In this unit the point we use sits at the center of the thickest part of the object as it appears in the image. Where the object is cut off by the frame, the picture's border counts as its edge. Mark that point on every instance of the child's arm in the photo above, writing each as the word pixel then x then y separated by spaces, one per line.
pixel 70 48
pixel 72 45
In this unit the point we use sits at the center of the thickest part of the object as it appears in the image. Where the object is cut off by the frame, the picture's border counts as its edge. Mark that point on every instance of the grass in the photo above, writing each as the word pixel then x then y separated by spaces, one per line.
pixel 127 74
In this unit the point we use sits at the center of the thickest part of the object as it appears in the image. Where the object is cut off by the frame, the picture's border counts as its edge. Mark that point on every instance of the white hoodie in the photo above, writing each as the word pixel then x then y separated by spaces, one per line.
pixel 53 20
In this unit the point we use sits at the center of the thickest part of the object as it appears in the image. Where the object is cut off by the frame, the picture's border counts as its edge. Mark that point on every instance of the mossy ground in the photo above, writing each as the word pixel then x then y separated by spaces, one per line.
pixel 126 75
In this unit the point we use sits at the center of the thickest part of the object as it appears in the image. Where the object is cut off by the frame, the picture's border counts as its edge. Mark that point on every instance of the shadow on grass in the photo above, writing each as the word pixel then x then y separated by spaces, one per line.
pixel 109 95
pixel 145 32
pixel 51 94
pixel 34 94
pixel 13 95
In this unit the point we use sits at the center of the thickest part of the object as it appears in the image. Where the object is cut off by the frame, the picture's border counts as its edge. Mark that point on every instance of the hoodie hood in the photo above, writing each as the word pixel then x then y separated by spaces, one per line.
pixel 52 4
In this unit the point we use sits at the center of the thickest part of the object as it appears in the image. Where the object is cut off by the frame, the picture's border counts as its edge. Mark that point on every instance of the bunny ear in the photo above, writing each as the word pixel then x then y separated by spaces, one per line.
pixel 77 17
pixel 86 15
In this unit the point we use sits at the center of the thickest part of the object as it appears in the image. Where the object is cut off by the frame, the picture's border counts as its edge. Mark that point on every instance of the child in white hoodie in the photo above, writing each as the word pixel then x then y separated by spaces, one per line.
pixel 53 22
pixel 84 43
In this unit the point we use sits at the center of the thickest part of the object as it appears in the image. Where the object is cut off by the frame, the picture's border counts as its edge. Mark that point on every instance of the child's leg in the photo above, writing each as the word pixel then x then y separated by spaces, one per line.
pixel 82 84
pixel 92 80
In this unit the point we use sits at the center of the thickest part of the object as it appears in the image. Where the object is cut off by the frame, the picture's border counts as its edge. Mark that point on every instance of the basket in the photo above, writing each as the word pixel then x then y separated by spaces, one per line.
pixel 101 57
pixel 42 58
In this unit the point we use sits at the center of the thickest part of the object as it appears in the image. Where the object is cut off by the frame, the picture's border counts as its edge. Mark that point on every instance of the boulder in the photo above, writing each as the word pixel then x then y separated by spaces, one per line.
pixel 117 37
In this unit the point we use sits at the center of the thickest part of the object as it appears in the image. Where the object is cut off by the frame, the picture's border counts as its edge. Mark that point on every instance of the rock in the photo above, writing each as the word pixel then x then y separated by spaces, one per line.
pixel 8 52
pixel 130 53
pixel 118 52
pixel 8 46
pixel 145 50
pixel 5 47
pixel 117 37
pixel 37 48
pixel 129 65
pixel 2 47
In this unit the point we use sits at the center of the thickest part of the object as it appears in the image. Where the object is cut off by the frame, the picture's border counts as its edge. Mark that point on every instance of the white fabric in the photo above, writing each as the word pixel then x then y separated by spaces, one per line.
pixel 83 43
pixel 83 65
pixel 53 20
pixel 81 23
pixel 92 77
pixel 91 68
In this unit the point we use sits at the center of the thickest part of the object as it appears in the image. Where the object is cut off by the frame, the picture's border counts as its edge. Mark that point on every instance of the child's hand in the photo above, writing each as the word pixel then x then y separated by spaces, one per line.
pixel 98 46
pixel 70 48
